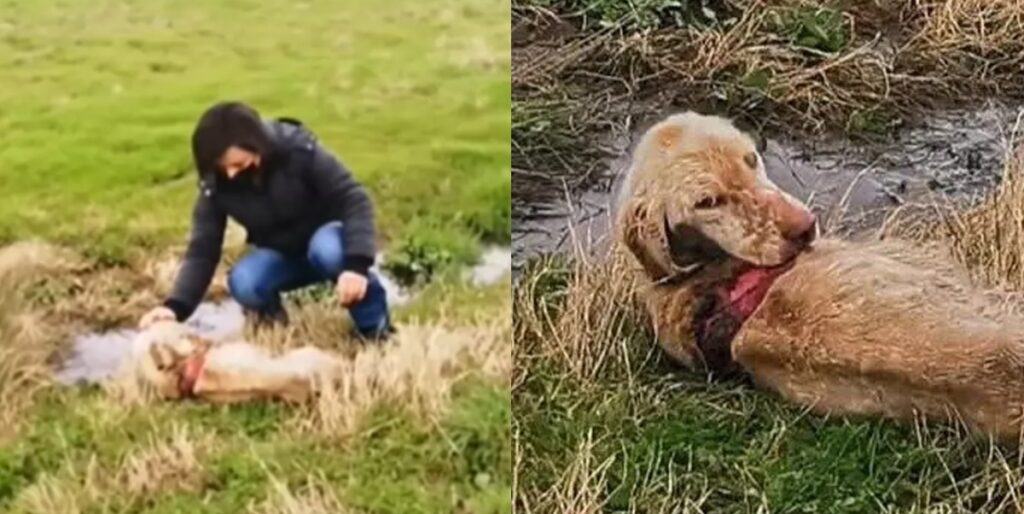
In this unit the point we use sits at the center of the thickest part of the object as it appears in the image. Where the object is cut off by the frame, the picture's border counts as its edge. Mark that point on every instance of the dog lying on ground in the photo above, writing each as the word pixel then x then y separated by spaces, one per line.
pixel 736 281
pixel 178 365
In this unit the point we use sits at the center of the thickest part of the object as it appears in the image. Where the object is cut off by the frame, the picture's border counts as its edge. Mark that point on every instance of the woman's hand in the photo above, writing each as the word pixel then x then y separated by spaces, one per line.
pixel 351 288
pixel 155 315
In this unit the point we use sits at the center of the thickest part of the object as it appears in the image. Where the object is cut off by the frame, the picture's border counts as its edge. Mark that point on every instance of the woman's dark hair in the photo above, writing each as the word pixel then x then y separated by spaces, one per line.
pixel 223 125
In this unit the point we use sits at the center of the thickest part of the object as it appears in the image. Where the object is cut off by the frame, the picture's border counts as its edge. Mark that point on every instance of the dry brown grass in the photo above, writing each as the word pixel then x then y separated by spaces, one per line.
pixel 315 497
pixel 172 463
pixel 583 328
pixel 973 43
pixel 989 239
pixel 26 338
pixel 417 371
pixel 54 494
pixel 97 297
pixel 578 490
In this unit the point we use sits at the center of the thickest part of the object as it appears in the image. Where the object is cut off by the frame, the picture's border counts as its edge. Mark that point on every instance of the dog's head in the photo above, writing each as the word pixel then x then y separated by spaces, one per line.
pixel 698 193
pixel 160 355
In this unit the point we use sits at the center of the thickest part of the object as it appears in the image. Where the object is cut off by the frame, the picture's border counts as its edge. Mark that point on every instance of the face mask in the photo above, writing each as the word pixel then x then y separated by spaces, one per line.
pixel 247 173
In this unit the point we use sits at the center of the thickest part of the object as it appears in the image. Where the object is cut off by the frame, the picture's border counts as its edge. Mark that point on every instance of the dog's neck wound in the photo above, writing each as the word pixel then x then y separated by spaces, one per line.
pixel 189 374
pixel 724 308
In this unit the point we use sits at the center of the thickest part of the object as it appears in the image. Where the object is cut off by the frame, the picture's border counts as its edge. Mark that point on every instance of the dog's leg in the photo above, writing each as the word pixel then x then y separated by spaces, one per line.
pixel 242 385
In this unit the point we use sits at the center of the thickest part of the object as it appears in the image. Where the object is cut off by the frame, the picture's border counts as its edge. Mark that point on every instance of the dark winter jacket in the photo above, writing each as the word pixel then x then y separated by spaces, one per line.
pixel 299 187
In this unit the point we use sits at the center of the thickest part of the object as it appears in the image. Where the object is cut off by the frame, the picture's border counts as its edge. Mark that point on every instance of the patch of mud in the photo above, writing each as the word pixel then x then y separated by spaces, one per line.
pixel 950 155
pixel 97 356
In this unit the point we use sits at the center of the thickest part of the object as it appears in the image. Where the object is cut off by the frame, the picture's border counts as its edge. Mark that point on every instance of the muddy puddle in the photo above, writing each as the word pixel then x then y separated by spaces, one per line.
pixel 950 155
pixel 96 356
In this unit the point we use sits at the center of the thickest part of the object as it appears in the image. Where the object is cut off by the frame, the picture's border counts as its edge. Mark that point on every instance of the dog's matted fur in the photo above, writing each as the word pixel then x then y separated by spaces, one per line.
pixel 736 282
pixel 168 359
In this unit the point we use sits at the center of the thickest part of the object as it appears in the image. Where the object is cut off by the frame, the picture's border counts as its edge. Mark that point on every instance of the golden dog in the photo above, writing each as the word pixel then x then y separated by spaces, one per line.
pixel 736 281
pixel 177 365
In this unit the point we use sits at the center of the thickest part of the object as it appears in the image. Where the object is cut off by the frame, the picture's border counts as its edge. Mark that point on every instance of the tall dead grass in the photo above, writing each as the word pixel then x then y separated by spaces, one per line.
pixel 164 464
pixel 586 324
pixel 989 238
pixel 417 371
pixel 315 497
pixel 976 43
pixel 578 490
pixel 26 338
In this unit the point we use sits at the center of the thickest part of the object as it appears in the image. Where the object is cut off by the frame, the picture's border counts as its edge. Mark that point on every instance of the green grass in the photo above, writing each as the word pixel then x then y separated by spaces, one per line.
pixel 81 442
pixel 100 98
pixel 391 463
pixel 97 107
pixel 611 426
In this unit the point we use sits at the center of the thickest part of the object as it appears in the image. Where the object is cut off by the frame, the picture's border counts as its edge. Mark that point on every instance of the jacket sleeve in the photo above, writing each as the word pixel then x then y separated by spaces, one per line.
pixel 201 258
pixel 348 202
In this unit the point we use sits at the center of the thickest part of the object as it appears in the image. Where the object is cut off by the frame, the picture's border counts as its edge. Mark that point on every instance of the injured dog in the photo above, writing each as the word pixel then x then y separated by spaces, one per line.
pixel 736 281
pixel 177 365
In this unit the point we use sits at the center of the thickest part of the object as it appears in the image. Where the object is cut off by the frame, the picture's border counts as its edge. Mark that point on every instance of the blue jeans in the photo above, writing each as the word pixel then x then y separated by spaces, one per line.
pixel 258 280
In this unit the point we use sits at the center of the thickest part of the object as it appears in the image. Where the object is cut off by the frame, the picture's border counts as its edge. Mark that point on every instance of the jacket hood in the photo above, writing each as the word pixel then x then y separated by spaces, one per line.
pixel 288 135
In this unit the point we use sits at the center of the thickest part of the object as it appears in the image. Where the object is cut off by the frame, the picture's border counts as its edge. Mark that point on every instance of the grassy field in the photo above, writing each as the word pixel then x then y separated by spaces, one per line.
pixel 603 423
pixel 97 107
pixel 99 100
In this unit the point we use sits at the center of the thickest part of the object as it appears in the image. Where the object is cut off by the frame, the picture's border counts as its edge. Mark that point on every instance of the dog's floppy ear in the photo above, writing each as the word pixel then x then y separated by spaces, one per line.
pixel 689 248
pixel 663 249
pixel 642 231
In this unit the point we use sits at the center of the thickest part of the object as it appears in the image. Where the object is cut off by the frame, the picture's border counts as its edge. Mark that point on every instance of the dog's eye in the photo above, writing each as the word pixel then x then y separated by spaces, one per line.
pixel 751 159
pixel 709 202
